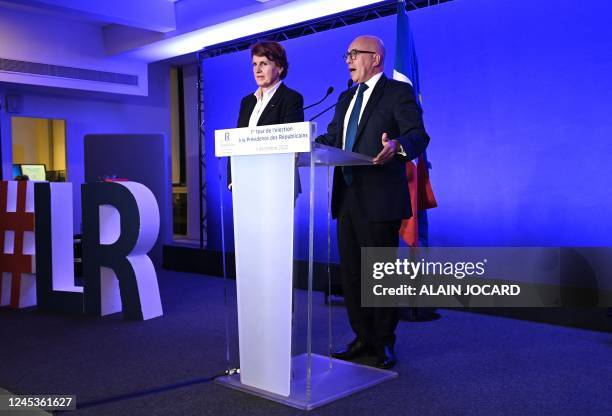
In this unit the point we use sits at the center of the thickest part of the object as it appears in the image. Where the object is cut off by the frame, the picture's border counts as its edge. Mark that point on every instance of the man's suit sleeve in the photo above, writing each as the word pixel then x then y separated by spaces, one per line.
pixel 331 137
pixel 413 138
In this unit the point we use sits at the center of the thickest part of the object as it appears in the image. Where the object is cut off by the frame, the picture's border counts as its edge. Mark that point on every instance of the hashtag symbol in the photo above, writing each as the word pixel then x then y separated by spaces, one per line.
pixel 17 283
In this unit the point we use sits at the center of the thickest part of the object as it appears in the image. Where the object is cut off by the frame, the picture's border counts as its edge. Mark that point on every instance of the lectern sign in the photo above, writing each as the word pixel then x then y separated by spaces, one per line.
pixel 279 138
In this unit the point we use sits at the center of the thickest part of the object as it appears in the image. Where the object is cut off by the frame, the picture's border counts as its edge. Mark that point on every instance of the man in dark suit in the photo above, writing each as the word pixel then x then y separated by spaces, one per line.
pixel 273 102
pixel 378 118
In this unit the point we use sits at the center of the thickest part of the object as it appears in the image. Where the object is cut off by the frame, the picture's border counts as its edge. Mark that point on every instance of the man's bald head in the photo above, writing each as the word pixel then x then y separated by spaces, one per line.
pixel 365 57
pixel 372 43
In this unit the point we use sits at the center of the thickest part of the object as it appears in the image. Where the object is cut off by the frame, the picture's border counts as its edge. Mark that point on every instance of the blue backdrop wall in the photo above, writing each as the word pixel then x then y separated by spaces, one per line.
pixel 517 103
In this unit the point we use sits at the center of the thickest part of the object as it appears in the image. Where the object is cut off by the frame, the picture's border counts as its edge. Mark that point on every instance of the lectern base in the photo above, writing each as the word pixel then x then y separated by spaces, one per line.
pixel 327 384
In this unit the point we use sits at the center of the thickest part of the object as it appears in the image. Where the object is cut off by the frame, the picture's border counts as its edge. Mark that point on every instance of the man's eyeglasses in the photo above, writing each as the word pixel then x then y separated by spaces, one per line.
pixel 354 52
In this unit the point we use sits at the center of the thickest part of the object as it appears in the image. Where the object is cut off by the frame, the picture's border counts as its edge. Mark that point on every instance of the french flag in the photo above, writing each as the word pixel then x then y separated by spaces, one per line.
pixel 422 198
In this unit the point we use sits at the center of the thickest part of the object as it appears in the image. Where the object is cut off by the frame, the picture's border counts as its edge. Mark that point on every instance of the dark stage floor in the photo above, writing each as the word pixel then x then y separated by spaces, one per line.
pixel 461 364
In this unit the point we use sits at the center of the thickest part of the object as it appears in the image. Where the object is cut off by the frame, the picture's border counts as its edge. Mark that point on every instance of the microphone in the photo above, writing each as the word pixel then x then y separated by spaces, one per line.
pixel 348 87
pixel 327 94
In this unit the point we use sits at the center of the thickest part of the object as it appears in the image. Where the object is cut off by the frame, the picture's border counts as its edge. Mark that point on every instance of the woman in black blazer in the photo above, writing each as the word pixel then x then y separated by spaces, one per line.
pixel 273 102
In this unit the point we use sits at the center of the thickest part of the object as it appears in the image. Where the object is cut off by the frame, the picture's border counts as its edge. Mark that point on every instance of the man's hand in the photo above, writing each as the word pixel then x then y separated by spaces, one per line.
pixel 390 148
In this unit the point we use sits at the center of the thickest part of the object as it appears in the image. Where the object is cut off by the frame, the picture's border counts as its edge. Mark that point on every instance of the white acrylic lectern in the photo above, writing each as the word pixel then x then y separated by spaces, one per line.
pixel 263 164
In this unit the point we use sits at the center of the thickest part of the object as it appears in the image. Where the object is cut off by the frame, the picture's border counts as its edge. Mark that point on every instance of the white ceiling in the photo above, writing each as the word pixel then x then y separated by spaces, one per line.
pixel 155 15
pixel 152 30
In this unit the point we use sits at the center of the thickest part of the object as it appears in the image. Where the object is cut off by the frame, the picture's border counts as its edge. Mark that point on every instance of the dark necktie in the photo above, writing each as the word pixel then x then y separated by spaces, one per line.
pixel 351 131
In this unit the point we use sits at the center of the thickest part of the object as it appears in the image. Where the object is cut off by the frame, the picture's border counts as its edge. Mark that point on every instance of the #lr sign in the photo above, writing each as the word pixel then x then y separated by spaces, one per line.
pixel 120 226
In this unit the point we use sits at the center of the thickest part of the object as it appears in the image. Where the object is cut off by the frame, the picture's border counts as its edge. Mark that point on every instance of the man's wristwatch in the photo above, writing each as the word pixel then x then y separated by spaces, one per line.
pixel 400 150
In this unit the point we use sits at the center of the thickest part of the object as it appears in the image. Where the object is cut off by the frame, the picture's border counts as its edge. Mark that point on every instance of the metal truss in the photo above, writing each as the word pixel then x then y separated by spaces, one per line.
pixel 201 157
pixel 350 17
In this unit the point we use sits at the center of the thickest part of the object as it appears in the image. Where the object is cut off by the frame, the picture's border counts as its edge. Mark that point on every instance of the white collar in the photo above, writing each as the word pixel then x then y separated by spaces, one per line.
pixel 267 93
pixel 371 83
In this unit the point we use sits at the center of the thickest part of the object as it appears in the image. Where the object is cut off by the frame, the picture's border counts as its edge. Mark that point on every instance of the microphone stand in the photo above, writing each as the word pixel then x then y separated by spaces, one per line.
pixel 327 94
pixel 349 85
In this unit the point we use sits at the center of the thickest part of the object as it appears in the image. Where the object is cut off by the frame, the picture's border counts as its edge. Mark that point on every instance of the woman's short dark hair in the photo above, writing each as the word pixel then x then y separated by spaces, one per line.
pixel 274 52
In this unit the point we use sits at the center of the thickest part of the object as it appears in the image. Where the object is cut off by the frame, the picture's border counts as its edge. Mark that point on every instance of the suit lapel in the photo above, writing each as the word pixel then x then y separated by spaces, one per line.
pixel 370 106
pixel 271 105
